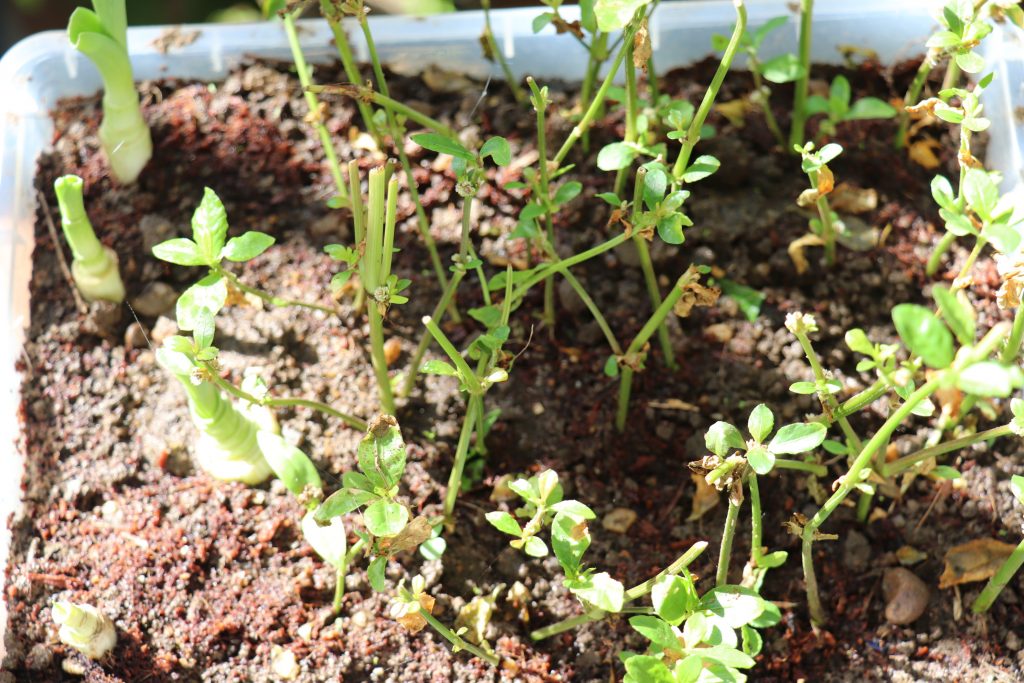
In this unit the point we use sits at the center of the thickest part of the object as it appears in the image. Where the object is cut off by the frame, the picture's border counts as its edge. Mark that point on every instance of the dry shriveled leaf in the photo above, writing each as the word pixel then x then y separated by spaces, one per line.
pixel 909 555
pixel 922 153
pixel 807 198
pixel 826 181
pixel 641 47
pixel 976 560
pixel 673 404
pixel 414 533
pixel 736 111
pixel 796 251
pixel 847 198
pixel 413 622
pixel 619 520
pixel 695 294
pixel 704 498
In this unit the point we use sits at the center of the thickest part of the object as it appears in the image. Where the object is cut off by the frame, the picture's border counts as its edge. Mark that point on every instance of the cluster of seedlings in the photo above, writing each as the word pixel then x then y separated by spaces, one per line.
pixel 692 636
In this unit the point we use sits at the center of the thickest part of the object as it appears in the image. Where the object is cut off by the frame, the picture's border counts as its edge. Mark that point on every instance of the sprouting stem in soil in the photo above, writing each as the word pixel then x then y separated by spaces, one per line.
pixel 910 99
pixel 650 278
pixel 457 642
pixel 725 551
pixel 796 130
pixel 903 464
pixel 756 522
pixel 461 452
pixel 540 104
pixel 339 585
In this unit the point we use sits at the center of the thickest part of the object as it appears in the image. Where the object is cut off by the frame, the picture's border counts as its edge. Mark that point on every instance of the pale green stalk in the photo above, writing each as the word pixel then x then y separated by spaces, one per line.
pixel 998 582
pixel 93 266
pixel 650 278
pixel 725 552
pixel 796 131
pixel 348 62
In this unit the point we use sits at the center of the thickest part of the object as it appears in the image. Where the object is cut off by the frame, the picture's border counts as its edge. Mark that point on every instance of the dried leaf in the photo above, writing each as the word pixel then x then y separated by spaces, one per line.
pixel 695 294
pixel 414 533
pixel 673 404
pixel 922 153
pixel 976 560
pixel 826 181
pixel 736 111
pixel 847 198
pixel 413 622
pixel 641 47
pixel 909 555
pixel 807 198
pixel 796 251
pixel 704 498
pixel 619 520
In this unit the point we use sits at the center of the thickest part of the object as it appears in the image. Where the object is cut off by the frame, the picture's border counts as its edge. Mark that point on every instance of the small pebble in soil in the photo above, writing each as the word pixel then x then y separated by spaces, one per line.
pixel 155 229
pixel 1012 641
pixel 619 520
pixel 135 336
pixel 906 596
pixel 157 298
pixel 392 350
pixel 856 551
pixel 163 328
pixel 39 658
pixel 283 663
pixel 719 332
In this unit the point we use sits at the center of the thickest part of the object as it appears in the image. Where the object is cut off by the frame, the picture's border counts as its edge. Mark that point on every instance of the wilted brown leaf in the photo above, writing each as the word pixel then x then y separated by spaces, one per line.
pixel 976 560
pixel 807 198
pixel 414 533
pixel 695 294
pixel 847 198
pixel 641 47
pixel 413 621
pixel 922 153
pixel 796 251
pixel 704 498
pixel 736 111
pixel 826 181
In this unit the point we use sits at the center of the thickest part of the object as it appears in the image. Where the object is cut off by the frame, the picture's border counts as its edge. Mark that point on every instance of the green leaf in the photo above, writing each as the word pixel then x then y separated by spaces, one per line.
pixel 210 294
pixel 180 251
pixel 567 192
pixel 570 538
pixel 735 604
pixel 573 508
pixel 674 597
pixel 601 591
pixel 782 69
pixel 210 226
pixel 870 108
pixel 385 518
pixel 924 334
pixel 541 20
pixel 761 459
pixel 670 229
pixel 957 312
pixel 497 148
pixel 942 193
pixel 769 617
pixel 504 522
pixel 829 152
pixel 838 99
pixel 1004 238
pixel 647 669
pixel 656 631
pixel 989 379
pixel 945 472
pixel 722 436
pixel 375 574
pixel 293 467
pixel 535 547
pixel 442 144
pixel 798 438
pixel 613 15
pixel 381 454
pixel 726 656
pixel 610 198
pixel 761 422
pixel 330 542
pixel 970 62
pixel 749 300
pixel 616 156
pixel 701 168
pixel 803 388
pixel 203 328
pixel 957 223
pixel 611 367
pixel 655 184
pixel 344 501
pixel 1017 488
pixel 438 367
pixel 858 341
pixel 246 246
pixel 981 192
pixel 943 40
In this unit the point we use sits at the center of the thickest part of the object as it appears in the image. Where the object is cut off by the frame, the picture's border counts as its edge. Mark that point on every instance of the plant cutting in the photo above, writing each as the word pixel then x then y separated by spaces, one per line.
pixel 84 628
pixel 93 266
pixel 101 34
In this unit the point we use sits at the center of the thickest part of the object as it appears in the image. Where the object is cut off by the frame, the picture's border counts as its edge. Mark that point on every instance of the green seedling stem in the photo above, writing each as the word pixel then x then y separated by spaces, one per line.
pixel 375 268
pixel 457 642
pixel 339 579
pixel 474 406
pixel 693 132
pixel 631 111
pixel 539 106
pixel 348 62
pixel 549 268
pixel 313 103
pixel 1012 349
pixel 796 131
pixel 947 240
pixel 353 422
pixel 650 278
pixel 725 552
pixel 849 481
pixel 912 96
pixel 93 266
pixel 907 462
pixel 632 594
pixel 999 581
pixel 648 330
pixel 499 56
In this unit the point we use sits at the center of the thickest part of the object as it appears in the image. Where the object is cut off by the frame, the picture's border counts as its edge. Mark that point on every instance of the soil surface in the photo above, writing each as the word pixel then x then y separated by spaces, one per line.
pixel 209 581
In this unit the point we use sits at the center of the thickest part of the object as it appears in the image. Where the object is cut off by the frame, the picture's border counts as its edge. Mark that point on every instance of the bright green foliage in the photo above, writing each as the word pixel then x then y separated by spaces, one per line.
pixel 662 208
pixel 722 438
pixel 93 266
pixel 695 639
pixel 208 247
pixel 543 507
pixel 837 107
pixel 962 30
pixel 102 36
pixel 613 15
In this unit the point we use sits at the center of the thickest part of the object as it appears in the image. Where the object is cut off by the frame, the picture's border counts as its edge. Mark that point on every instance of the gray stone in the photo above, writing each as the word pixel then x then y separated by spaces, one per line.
pixel 156 299
pixel 906 596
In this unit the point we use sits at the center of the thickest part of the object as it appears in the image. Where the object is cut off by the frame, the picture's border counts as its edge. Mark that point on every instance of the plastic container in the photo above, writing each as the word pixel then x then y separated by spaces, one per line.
pixel 40 70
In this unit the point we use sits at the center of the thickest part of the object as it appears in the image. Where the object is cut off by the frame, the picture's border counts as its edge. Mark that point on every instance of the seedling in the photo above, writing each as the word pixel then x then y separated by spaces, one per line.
pixel 838 109
pixel 227 447
pixel 694 638
pixel 815 165
pixel 84 628
pixel 209 247
pixel 784 68
pixel 102 36
pixel 93 266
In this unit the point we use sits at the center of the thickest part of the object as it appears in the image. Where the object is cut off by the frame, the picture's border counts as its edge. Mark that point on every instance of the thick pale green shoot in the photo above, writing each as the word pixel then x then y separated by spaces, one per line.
pixel 84 628
pixel 227 447
pixel 101 35
pixel 93 266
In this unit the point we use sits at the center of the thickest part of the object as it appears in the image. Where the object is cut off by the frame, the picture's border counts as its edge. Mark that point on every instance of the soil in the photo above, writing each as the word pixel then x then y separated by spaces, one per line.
pixel 210 581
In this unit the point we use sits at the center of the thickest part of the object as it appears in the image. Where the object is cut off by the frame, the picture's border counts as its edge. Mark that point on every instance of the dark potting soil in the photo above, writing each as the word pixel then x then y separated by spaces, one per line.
pixel 212 581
